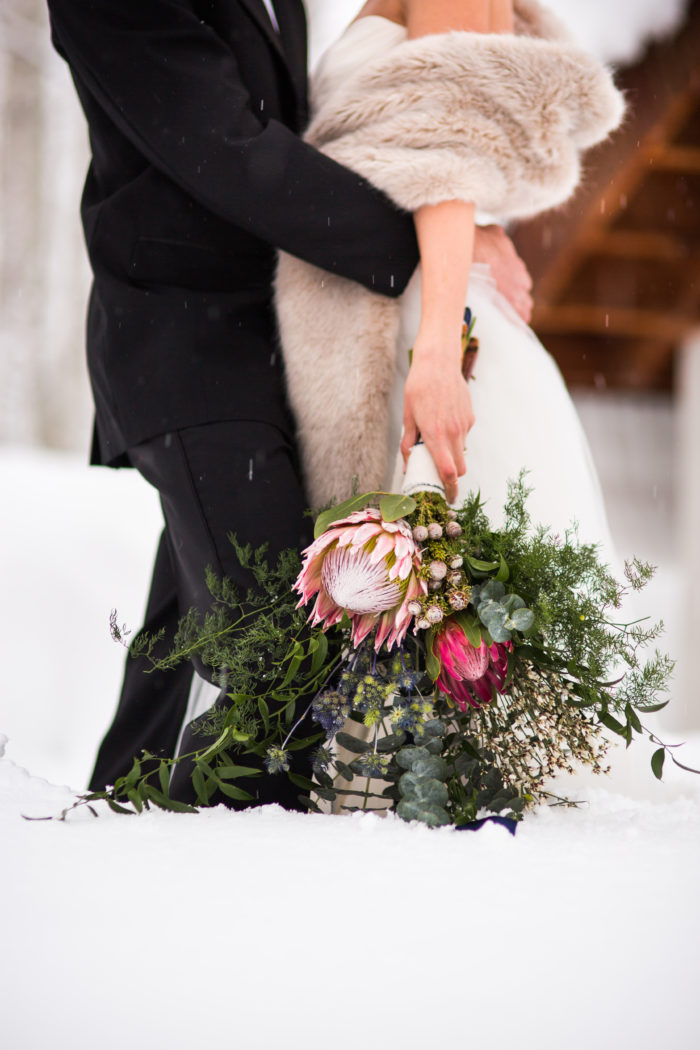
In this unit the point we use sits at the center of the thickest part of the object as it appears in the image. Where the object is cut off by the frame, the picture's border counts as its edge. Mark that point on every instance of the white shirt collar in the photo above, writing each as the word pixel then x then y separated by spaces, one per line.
pixel 271 12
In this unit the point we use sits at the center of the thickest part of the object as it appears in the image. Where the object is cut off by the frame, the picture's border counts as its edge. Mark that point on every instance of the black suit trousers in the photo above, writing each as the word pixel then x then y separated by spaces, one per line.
pixel 213 479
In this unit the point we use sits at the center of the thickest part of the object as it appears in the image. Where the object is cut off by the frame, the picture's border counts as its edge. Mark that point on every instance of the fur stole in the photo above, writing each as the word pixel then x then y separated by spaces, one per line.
pixel 500 120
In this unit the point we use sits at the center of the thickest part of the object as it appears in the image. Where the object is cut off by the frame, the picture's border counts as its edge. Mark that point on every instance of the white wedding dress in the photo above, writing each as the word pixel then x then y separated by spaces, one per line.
pixel 524 415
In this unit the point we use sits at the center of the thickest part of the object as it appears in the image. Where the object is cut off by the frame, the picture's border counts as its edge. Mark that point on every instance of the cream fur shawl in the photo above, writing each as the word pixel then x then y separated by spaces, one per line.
pixel 497 120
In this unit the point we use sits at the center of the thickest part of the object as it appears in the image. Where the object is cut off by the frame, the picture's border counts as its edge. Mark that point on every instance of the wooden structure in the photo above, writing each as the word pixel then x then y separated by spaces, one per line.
pixel 617 271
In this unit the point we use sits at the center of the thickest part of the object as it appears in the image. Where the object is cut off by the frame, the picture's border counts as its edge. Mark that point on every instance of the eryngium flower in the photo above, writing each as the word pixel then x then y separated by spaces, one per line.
pixel 277 760
pixel 365 567
pixel 468 675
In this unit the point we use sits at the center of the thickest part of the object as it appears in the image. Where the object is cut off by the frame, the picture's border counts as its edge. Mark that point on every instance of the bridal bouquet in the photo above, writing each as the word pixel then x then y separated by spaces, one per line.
pixel 436 666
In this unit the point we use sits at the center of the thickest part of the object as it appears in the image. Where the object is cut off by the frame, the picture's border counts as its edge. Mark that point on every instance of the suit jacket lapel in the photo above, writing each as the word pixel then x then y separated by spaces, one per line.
pixel 259 12
pixel 289 43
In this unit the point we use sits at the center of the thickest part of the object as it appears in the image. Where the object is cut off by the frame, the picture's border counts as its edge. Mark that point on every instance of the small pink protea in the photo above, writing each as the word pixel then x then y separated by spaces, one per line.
pixel 467 673
pixel 365 567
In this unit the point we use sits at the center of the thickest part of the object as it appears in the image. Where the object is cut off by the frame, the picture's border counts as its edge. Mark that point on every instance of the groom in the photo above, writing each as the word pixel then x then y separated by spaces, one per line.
pixel 198 174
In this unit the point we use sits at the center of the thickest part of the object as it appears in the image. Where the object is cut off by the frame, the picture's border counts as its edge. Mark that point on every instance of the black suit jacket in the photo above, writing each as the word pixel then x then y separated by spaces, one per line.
pixel 198 174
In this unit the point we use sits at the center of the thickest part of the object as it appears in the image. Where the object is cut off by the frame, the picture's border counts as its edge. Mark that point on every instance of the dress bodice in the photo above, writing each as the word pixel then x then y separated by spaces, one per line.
pixel 368 37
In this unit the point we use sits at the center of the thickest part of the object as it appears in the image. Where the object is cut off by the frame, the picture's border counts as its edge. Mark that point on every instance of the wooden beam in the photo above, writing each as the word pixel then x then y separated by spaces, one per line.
pixel 640 244
pixel 582 318
pixel 684 159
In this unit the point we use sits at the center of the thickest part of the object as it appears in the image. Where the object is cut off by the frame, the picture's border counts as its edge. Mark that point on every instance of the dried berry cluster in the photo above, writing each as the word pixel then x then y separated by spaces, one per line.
pixel 437 531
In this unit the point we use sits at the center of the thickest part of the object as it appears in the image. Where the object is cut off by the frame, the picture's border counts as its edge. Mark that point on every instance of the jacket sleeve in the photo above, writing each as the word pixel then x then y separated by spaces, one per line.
pixel 166 79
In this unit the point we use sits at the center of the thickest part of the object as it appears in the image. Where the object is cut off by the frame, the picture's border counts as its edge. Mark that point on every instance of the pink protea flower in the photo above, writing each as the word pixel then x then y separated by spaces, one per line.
pixel 365 567
pixel 467 673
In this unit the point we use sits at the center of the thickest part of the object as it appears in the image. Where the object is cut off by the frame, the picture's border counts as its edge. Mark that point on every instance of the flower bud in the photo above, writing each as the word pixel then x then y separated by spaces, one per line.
pixel 415 608
pixel 437 570
pixel 435 531
pixel 457 562
pixel 454 578
pixel 434 586
pixel 434 614
pixel 420 534
pixel 453 529
pixel 452 515
pixel 423 624
pixel 458 600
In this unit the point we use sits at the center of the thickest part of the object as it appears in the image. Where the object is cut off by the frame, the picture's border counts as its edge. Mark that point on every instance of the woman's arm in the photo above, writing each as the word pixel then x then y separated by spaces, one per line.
pixel 437 402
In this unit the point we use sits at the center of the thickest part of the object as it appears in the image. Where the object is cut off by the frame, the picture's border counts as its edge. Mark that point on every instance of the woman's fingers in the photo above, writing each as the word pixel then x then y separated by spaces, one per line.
pixel 410 436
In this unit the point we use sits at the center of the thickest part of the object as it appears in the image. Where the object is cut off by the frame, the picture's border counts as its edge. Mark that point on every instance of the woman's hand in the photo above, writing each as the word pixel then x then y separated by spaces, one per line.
pixel 438 408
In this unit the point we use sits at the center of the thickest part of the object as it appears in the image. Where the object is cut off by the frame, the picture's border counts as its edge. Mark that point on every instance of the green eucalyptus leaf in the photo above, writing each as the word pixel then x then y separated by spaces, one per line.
pixel 434 816
pixel 352 743
pixel 393 507
pixel 657 762
pixel 522 619
pixel 500 634
pixel 430 767
pixel 492 591
pixel 343 769
pixel 391 742
pixel 408 809
pixel 342 510
pixel 408 755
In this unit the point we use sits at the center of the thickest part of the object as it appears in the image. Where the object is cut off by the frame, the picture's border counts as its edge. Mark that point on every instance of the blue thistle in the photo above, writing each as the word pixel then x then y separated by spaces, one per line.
pixel 321 760
pixel 277 760
pixel 330 709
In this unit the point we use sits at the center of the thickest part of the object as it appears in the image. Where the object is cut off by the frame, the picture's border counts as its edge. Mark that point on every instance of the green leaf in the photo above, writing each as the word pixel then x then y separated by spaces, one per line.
pixel 432 664
pixel 391 742
pixel 342 510
pixel 483 566
pixel 170 804
pixel 199 785
pixel 343 769
pixel 503 573
pixel 652 708
pixel 164 777
pixel 116 808
pixel 657 762
pixel 294 664
pixel 351 743
pixel 265 713
pixel 135 800
pixel 522 619
pixel 236 793
pixel 320 653
pixel 632 718
pixel 302 782
pixel 394 506
pixel 613 724
pixel 232 772
pixel 470 626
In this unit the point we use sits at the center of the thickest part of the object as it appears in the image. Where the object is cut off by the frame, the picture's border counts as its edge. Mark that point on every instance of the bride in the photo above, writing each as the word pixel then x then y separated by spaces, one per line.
pixel 490 117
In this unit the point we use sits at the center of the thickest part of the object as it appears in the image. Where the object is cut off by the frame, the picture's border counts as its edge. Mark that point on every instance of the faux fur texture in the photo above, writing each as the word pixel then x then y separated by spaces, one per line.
pixel 500 120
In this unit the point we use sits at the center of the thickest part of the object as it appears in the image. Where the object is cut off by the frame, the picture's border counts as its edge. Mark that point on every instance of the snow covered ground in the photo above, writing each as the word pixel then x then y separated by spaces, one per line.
pixel 267 928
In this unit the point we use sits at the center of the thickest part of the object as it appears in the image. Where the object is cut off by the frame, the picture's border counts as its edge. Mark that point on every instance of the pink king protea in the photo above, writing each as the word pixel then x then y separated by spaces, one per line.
pixel 365 567
pixel 467 673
